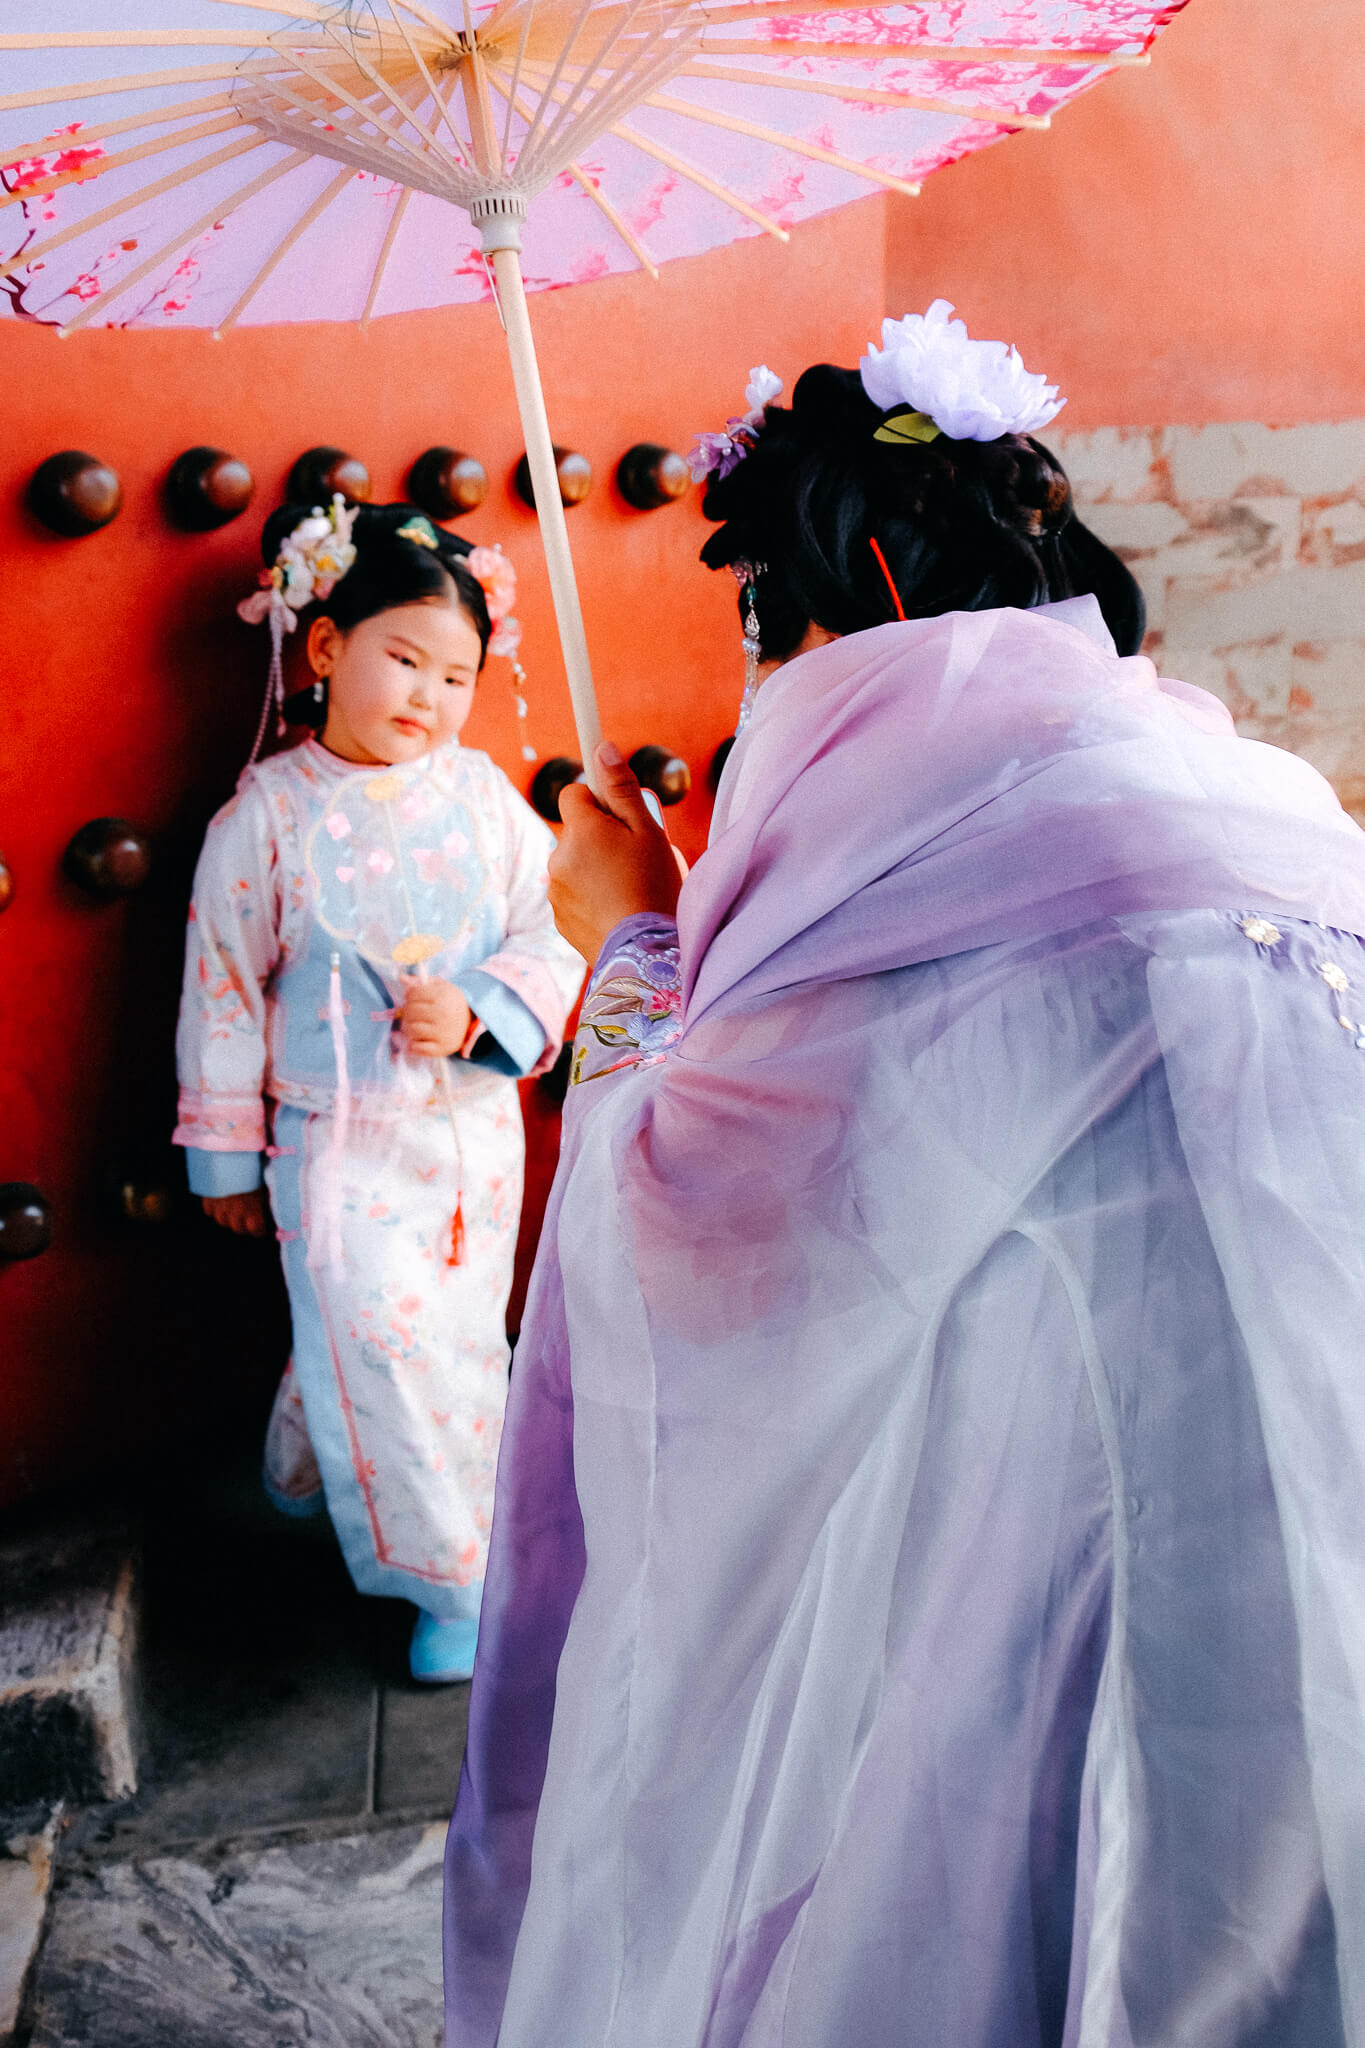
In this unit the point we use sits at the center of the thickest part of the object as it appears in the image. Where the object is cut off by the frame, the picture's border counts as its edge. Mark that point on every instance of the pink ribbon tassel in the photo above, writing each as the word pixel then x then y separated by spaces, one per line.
pixel 325 1245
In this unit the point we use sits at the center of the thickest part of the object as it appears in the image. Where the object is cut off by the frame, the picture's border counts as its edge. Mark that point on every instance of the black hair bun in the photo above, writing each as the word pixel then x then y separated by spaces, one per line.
pixel 960 525
pixel 833 401
pixel 378 523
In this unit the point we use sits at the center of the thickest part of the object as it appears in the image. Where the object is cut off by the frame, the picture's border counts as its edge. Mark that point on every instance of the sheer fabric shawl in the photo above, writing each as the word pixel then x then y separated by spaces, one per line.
pixel 927 1592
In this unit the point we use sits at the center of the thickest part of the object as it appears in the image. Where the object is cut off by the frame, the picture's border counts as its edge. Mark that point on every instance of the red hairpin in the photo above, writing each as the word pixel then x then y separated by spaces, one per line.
pixel 881 564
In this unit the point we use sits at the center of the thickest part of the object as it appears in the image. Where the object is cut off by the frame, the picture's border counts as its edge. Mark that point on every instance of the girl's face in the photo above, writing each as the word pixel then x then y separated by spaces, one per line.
pixel 398 684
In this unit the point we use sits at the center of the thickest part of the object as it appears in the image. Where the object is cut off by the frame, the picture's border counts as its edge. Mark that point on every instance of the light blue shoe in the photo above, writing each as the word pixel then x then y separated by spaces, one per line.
pixel 442 1652
pixel 306 1508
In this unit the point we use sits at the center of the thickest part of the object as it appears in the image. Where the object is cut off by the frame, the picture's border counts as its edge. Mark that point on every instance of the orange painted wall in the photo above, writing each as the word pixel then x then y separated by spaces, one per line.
pixel 1187 243
pixel 130 688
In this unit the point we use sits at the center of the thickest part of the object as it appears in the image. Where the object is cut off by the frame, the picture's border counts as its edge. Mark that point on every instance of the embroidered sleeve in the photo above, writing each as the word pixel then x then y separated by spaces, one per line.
pixel 525 990
pixel 230 954
pixel 632 1011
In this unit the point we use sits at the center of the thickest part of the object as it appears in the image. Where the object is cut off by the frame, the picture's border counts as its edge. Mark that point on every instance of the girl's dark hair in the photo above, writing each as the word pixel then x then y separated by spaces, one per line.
pixel 388 570
pixel 963 525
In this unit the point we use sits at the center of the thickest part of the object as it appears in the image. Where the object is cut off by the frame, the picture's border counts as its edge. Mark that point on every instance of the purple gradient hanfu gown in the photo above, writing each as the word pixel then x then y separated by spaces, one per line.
pixel 926 1606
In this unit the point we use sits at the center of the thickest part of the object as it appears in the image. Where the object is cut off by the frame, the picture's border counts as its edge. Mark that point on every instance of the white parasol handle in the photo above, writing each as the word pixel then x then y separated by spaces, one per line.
pixel 540 459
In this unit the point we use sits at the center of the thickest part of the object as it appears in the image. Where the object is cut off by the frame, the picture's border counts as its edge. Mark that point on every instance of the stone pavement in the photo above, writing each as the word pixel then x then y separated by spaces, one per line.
pixel 276 1879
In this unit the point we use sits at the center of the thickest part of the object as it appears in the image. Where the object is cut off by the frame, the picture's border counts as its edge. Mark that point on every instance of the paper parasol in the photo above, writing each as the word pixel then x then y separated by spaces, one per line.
pixel 738 118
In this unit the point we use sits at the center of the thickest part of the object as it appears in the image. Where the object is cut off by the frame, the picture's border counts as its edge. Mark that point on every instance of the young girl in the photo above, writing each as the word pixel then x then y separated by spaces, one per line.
pixel 371 954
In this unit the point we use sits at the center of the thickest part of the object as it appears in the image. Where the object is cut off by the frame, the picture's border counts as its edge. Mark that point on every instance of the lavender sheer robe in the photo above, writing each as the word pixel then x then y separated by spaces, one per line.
pixel 927 1592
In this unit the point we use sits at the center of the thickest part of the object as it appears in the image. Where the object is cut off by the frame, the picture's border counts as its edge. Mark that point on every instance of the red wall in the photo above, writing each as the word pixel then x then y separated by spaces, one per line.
pixel 1187 243
pixel 130 688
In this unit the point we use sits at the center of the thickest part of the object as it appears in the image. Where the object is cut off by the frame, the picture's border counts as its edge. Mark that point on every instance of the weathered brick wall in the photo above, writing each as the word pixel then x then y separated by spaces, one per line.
pixel 1249 543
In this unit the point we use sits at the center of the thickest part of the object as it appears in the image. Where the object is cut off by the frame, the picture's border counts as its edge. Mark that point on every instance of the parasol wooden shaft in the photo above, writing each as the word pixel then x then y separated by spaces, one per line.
pixel 535 427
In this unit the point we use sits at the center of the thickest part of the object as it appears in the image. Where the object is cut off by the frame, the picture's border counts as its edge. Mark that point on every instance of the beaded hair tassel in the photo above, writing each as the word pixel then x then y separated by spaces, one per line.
pixel 746 574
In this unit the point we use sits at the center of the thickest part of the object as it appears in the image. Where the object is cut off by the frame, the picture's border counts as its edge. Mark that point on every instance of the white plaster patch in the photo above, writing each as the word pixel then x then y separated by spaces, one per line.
pixel 1321 460
pixel 1334 528
pixel 1303 604
pixel 1328 678
pixel 1254 680
pixel 1111 463
pixel 1135 530
pixel 1249 543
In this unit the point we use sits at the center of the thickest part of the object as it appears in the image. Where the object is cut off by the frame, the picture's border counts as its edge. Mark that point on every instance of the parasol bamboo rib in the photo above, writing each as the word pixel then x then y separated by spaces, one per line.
pixel 408 112
pixel 84 173
pixel 925 53
pixel 367 114
pixel 432 21
pixel 385 250
pixel 632 242
pixel 628 91
pixel 345 144
pixel 140 198
pixel 136 39
pixel 707 183
pixel 512 90
pixel 631 88
pixel 701 179
pixel 712 119
pixel 282 247
pixel 621 78
pixel 437 99
pixel 45 145
pixel 140 81
pixel 548 91
pixel 297 10
pixel 186 235
pixel 582 74
pixel 396 219
pixel 867 95
pixel 576 171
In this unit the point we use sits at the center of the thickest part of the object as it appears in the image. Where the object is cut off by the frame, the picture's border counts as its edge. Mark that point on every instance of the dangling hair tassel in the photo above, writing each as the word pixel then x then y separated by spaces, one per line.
pixel 281 621
pixel 745 574
pixel 528 752
pixel 455 1256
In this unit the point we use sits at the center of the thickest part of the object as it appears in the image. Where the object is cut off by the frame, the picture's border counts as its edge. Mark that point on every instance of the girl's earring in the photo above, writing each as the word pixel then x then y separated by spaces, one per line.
pixel 319 688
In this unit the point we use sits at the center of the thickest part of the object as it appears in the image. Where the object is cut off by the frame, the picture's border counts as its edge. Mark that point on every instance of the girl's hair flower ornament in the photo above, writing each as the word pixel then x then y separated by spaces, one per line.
pixel 930 378
pixel 311 562
pixel 720 452
pixel 498 580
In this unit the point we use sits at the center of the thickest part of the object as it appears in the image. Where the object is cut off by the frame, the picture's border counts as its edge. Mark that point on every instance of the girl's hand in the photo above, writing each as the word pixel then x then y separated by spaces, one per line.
pixel 435 1018
pixel 609 863
pixel 248 1215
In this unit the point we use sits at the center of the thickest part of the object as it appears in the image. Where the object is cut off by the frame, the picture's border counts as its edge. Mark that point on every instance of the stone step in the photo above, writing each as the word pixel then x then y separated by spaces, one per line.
pixel 323 1943
pixel 27 1846
pixel 68 1645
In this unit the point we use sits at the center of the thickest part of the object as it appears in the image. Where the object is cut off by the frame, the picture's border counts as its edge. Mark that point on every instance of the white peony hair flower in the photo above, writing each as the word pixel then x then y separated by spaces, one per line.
pixel 929 368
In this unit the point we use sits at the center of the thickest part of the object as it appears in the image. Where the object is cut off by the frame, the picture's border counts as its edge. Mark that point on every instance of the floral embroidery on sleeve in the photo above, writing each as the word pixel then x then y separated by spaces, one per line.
pixel 632 1012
